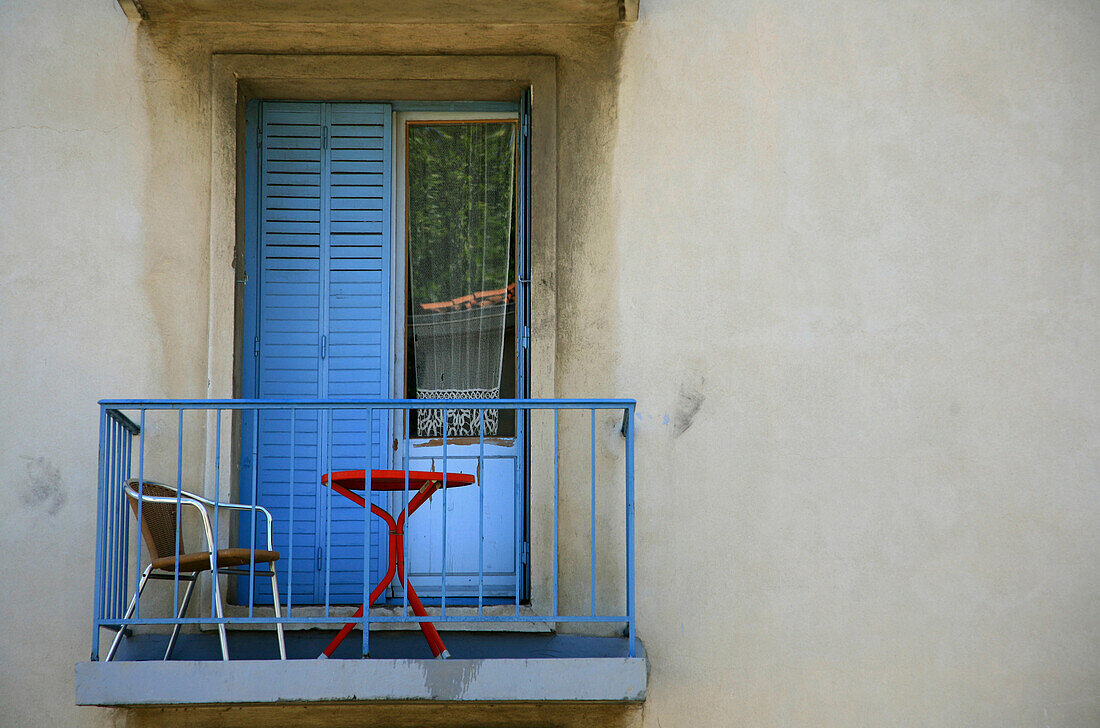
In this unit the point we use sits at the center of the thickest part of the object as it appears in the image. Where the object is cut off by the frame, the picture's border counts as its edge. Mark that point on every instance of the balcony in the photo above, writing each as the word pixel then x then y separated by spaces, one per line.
pixel 517 553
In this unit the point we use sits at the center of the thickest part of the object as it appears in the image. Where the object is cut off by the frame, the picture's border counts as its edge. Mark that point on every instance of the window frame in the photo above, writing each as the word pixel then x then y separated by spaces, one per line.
pixel 236 78
pixel 449 113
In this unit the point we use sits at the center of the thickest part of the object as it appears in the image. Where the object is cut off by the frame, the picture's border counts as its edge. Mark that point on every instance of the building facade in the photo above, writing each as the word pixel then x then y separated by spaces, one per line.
pixel 843 256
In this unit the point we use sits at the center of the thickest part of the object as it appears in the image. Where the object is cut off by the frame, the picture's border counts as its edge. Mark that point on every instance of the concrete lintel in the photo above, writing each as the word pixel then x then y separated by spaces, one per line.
pixel 606 679
pixel 582 12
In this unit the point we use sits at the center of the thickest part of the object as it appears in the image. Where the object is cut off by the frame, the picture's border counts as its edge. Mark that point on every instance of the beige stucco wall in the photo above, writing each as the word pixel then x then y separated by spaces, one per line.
pixel 872 231
pixel 845 257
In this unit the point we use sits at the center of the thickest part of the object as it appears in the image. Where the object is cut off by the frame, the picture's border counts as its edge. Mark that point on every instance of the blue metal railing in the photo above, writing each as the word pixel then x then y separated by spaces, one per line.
pixel 123 432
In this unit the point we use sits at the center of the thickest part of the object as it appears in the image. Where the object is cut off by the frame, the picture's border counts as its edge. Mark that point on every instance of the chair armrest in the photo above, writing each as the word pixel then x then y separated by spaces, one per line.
pixel 235 507
pixel 242 507
pixel 197 501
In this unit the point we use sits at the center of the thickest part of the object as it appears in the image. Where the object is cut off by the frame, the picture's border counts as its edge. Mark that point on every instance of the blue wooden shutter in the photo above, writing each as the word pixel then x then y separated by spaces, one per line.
pixel 318 312
pixel 288 289
pixel 357 190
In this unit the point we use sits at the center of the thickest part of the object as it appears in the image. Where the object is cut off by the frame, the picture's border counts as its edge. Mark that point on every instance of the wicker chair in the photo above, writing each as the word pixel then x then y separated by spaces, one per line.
pixel 158 528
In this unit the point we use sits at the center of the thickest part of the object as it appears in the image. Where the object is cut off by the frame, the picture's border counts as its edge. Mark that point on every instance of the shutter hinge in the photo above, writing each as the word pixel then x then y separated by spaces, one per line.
pixel 324 137
pixel 525 337
pixel 324 346
pixel 259 139
pixel 256 345
pixel 525 554
pixel 319 552
pixel 526 126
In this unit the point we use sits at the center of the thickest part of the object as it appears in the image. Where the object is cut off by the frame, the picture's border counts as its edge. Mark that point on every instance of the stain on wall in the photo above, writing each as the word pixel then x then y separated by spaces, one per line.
pixel 453 680
pixel 42 490
pixel 688 403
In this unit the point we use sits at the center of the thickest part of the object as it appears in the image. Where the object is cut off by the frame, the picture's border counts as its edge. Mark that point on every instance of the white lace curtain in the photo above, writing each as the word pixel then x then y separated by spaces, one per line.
pixel 460 221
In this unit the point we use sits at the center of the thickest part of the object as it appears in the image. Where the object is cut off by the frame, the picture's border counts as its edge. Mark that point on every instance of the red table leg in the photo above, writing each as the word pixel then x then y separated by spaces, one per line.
pixel 396 566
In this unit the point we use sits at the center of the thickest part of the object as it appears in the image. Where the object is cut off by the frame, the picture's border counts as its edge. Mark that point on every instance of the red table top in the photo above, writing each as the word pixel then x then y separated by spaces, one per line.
pixel 395 479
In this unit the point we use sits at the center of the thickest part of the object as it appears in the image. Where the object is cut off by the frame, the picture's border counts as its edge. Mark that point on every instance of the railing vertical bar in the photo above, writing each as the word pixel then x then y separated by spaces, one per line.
pixel 481 515
pixel 592 535
pixel 123 522
pixel 140 512
pixel 179 512
pixel 404 509
pixel 217 500
pixel 443 566
pixel 101 534
pixel 127 442
pixel 120 536
pixel 112 531
pixel 252 512
pixel 367 500
pixel 125 515
pixel 116 523
pixel 556 468
pixel 120 525
pixel 517 539
pixel 113 563
pixel 290 533
pixel 327 555
pixel 319 518
pixel 630 526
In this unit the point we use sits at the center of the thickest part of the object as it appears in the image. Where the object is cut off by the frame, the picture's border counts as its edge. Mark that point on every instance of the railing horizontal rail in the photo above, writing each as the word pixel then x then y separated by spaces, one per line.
pixel 129 425
pixel 376 618
pixel 360 403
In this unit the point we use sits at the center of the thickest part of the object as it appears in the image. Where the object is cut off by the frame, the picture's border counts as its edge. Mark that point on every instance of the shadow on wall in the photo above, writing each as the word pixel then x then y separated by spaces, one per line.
pixel 406 715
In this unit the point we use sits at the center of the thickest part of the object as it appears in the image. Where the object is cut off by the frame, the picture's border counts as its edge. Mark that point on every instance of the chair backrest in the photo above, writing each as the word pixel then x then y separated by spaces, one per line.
pixel 158 520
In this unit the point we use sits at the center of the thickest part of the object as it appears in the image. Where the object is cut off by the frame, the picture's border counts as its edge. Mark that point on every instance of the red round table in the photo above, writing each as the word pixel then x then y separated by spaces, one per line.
pixel 425 484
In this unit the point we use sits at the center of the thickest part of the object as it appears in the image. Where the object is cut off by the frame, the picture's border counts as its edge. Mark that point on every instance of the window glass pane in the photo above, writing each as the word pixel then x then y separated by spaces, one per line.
pixel 461 209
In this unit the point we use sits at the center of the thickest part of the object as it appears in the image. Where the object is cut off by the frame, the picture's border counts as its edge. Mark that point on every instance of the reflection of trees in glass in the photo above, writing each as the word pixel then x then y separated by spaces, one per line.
pixel 460 179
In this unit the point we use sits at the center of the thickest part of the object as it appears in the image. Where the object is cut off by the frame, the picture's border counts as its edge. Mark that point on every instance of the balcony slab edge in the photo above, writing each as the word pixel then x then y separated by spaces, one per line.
pixel 179 683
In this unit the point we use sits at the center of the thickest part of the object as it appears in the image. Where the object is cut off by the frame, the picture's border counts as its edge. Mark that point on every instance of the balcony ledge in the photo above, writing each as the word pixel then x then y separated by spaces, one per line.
pixel 180 683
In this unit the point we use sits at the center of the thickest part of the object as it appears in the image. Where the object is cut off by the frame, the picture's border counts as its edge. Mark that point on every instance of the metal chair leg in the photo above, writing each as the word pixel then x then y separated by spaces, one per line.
pixel 278 613
pixel 218 610
pixel 179 616
pixel 129 611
